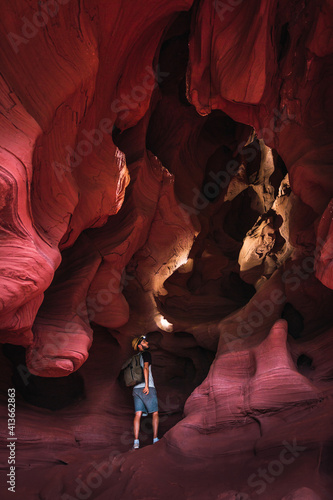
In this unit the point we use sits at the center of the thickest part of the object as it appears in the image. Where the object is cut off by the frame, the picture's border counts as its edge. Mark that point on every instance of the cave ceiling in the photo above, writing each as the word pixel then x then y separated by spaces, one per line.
pixel 166 169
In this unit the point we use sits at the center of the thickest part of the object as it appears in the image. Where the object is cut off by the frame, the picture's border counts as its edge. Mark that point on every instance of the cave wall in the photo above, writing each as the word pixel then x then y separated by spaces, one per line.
pixel 166 169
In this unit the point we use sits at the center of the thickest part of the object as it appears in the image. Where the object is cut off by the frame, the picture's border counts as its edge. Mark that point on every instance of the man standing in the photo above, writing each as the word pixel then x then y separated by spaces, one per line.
pixel 144 393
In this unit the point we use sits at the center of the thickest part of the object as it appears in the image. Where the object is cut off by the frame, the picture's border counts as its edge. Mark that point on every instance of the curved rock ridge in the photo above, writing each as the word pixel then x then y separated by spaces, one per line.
pixel 166 170
pixel 281 54
pixel 238 388
pixel 62 172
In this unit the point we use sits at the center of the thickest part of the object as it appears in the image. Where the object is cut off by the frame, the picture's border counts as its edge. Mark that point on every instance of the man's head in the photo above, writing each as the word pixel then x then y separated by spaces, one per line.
pixel 140 343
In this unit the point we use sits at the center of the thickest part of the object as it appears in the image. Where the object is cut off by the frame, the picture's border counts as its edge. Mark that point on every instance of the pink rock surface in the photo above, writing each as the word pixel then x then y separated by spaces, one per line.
pixel 166 168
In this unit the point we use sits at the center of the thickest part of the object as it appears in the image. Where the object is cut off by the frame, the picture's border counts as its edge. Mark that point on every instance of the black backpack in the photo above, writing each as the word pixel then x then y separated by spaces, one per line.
pixel 133 372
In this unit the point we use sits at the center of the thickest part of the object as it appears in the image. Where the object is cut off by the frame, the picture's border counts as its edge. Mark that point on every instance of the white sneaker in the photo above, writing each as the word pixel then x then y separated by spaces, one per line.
pixel 136 444
pixel 155 440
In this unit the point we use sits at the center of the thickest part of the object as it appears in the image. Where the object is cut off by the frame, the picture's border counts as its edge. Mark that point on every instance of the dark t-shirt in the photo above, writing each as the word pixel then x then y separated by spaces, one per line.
pixel 146 356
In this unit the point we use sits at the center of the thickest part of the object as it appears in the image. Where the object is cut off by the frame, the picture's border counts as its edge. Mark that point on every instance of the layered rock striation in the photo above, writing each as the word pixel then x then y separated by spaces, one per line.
pixel 166 169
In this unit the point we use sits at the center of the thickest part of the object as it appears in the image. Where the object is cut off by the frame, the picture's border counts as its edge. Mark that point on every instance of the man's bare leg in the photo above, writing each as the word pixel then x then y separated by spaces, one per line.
pixel 155 423
pixel 136 424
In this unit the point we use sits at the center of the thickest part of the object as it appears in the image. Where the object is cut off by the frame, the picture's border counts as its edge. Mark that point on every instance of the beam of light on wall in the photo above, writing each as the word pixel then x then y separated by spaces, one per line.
pixel 164 324
pixel 186 267
pixel 182 261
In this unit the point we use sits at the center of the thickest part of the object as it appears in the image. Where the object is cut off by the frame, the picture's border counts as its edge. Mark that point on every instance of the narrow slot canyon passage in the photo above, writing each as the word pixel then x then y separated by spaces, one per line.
pixel 166 171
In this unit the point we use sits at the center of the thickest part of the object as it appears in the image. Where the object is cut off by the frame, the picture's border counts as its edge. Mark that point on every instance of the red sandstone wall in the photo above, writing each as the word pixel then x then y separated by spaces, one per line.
pixel 122 205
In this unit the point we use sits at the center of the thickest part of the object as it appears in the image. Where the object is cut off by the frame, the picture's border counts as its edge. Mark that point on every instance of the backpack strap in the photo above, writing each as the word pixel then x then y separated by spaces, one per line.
pixel 128 361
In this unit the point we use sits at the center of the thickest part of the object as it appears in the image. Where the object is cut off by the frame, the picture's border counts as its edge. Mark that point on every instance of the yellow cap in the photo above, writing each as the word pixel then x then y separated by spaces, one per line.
pixel 136 341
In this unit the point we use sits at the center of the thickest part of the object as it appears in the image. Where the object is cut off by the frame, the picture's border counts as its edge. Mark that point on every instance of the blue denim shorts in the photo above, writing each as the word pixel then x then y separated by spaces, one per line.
pixel 146 403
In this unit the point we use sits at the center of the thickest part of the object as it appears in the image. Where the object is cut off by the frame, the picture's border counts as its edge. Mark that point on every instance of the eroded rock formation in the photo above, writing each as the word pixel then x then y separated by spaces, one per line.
pixel 166 168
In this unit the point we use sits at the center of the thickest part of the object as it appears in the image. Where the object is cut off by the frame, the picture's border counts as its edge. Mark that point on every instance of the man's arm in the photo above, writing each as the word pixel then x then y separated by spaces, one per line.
pixel 146 375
